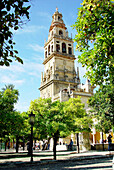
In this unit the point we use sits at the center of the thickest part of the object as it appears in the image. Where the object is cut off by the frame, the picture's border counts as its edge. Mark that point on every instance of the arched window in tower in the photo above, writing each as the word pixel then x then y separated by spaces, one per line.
pixel 70 50
pixel 57 47
pixel 59 18
pixel 63 48
pixel 45 54
pixel 49 50
pixel 60 32
pixel 52 48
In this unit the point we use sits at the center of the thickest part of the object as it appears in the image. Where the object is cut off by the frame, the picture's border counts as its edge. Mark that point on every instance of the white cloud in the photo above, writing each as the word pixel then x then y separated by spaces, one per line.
pixel 13 68
pixel 24 106
pixel 34 69
pixel 30 29
pixel 45 14
pixel 11 80
pixel 17 73
pixel 36 47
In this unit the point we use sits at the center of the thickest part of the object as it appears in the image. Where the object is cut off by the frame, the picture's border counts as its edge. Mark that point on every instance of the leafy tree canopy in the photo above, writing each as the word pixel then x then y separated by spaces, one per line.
pixel 82 121
pixel 102 104
pixel 8 97
pixel 52 117
pixel 57 119
pixel 95 29
pixel 12 15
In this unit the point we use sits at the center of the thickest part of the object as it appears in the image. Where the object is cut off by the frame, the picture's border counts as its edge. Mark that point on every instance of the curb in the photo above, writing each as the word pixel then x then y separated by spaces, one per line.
pixel 44 162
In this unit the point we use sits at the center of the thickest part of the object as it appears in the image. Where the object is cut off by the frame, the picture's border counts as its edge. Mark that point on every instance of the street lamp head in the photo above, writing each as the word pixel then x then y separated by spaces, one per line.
pixel 32 118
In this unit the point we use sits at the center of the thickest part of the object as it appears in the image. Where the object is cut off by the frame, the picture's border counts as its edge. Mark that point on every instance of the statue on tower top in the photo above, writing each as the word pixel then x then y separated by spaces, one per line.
pixel 56 9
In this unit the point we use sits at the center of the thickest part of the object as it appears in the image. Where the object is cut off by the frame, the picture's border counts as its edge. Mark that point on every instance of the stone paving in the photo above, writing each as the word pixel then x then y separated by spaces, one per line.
pixel 8 159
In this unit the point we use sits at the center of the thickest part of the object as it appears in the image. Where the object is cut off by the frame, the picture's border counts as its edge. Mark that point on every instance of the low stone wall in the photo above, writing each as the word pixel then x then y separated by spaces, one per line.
pixel 65 147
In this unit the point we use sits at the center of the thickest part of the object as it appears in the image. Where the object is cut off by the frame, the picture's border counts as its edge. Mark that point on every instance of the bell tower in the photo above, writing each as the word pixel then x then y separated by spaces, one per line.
pixel 59 69
pixel 60 80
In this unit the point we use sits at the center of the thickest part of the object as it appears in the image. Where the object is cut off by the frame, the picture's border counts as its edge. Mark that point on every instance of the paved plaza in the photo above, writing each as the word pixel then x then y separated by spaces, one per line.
pixel 68 159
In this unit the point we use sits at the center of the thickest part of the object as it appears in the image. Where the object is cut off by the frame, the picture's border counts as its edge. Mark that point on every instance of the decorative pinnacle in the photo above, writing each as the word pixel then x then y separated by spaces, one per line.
pixel 56 9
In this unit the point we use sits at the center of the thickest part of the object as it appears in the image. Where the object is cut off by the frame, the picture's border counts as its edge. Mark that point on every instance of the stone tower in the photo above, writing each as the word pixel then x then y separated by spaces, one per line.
pixel 60 80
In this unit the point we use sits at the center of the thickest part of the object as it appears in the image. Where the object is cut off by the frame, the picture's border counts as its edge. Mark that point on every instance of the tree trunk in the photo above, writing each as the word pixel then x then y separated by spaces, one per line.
pixel 9 143
pixel 34 144
pixel 23 144
pixel 102 141
pixel 1 144
pixel 55 138
pixel 17 144
pixel 5 145
pixel 13 143
pixel 77 137
pixel 54 147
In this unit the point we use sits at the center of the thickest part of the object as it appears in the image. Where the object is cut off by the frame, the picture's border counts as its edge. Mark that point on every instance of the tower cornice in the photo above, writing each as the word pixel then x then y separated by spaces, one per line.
pixel 60 55
pixel 56 81
pixel 59 37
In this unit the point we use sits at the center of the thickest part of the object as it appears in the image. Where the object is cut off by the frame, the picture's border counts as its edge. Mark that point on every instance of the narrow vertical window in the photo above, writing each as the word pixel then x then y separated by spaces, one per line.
pixel 70 50
pixel 63 48
pixel 46 54
pixel 49 50
pixel 57 47
pixel 52 48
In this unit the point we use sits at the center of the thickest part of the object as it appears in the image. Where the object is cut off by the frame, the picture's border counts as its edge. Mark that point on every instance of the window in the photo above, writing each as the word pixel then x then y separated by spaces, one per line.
pixel 60 32
pixel 49 50
pixel 46 54
pixel 57 47
pixel 59 18
pixel 52 48
pixel 70 50
pixel 63 48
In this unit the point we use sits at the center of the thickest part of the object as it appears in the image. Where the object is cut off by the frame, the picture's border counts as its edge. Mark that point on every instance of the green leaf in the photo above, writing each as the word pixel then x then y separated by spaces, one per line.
pixel 6 63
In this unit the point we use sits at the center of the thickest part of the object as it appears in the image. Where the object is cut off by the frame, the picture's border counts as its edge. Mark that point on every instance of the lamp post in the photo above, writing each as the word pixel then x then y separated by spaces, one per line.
pixel 32 119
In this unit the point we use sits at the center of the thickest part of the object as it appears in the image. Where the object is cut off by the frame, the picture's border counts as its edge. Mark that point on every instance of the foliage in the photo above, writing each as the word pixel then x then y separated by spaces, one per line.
pixel 95 39
pixel 8 97
pixel 62 117
pixel 102 104
pixel 40 107
pixel 82 120
pixel 11 14
pixel 54 120
pixel 25 131
pixel 48 117
pixel 17 123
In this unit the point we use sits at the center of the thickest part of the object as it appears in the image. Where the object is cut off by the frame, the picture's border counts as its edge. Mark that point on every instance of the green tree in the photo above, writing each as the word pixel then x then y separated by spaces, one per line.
pixel 95 39
pixel 12 15
pixel 102 104
pixel 54 120
pixel 8 98
pixel 82 122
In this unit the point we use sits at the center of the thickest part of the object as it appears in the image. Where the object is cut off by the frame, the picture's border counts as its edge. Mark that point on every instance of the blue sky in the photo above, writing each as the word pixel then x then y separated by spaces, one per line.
pixel 30 44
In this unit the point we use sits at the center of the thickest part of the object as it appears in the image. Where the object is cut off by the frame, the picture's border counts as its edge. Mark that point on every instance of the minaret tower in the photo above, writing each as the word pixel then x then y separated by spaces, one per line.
pixel 59 70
